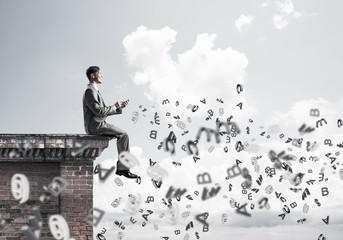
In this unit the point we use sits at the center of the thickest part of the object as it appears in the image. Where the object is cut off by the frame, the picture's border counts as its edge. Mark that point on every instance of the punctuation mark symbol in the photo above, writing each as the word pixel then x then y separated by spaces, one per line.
pixel 321 237
pixel 170 204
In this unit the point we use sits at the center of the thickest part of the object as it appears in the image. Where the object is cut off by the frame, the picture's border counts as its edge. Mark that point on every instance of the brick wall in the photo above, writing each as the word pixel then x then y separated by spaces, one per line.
pixel 41 158
pixel 16 215
pixel 78 197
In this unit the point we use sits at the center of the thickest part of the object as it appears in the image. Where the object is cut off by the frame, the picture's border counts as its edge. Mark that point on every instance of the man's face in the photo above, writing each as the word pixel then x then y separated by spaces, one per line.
pixel 97 77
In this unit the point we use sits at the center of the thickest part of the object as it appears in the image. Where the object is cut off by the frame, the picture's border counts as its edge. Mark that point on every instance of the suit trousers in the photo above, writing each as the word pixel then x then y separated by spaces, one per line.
pixel 122 140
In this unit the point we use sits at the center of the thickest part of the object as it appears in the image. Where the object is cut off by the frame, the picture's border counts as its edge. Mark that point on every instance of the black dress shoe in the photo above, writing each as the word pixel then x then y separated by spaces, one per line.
pixel 126 173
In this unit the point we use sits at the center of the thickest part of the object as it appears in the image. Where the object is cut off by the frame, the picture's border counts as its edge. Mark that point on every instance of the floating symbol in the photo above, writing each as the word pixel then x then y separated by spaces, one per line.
pixel 221 111
pixel 138 180
pixel 180 124
pixel 224 218
pixel 36 224
pixel 156 183
pixel 128 159
pixel 156 173
pixel 2 219
pixel 59 227
pixel 118 182
pixel 78 148
pixel 239 88
pixel 119 225
pixel 20 187
pixel 116 202
pixel 134 117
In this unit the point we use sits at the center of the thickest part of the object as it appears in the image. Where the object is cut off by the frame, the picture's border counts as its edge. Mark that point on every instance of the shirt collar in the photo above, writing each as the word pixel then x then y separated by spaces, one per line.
pixel 94 85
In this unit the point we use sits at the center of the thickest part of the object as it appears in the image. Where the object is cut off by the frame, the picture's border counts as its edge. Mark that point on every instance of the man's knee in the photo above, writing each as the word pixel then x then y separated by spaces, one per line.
pixel 124 136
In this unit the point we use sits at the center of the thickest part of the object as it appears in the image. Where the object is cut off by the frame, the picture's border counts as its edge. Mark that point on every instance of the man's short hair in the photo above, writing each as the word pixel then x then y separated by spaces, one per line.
pixel 90 70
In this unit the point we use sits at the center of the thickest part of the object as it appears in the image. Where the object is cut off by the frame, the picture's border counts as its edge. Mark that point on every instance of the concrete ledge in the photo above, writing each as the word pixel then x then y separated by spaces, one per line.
pixel 51 147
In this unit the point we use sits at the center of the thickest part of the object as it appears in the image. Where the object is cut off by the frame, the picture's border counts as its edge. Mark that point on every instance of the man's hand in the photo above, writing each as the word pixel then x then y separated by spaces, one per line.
pixel 125 103
pixel 122 104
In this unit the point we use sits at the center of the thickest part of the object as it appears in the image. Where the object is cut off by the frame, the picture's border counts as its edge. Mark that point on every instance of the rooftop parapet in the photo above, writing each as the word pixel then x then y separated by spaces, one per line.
pixel 51 147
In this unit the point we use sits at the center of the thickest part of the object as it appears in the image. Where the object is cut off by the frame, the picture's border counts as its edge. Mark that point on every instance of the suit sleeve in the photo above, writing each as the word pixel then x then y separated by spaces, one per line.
pixel 93 103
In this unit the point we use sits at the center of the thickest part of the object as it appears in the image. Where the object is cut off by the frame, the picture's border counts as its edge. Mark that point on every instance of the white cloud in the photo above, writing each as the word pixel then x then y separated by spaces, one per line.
pixel 201 72
pixel 242 22
pixel 280 21
pixel 300 112
pixel 286 7
pixel 283 13
pixel 265 4
pixel 287 12
pixel 217 163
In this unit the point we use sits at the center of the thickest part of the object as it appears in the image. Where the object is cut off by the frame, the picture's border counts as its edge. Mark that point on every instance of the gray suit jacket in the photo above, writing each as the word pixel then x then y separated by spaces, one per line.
pixel 95 111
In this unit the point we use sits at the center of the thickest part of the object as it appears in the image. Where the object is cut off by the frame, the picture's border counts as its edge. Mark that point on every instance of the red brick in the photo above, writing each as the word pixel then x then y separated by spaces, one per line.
pixel 20 220
pixel 73 208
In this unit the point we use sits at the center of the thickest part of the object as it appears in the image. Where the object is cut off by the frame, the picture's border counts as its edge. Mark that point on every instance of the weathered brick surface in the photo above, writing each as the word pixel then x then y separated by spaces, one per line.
pixel 16 215
pixel 75 201
pixel 41 158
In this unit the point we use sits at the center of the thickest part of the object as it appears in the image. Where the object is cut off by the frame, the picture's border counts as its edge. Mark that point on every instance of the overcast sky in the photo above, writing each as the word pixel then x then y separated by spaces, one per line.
pixel 286 54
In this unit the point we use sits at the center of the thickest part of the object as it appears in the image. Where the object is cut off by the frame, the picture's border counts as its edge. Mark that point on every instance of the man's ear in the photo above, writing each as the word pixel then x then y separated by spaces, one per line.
pixel 92 75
